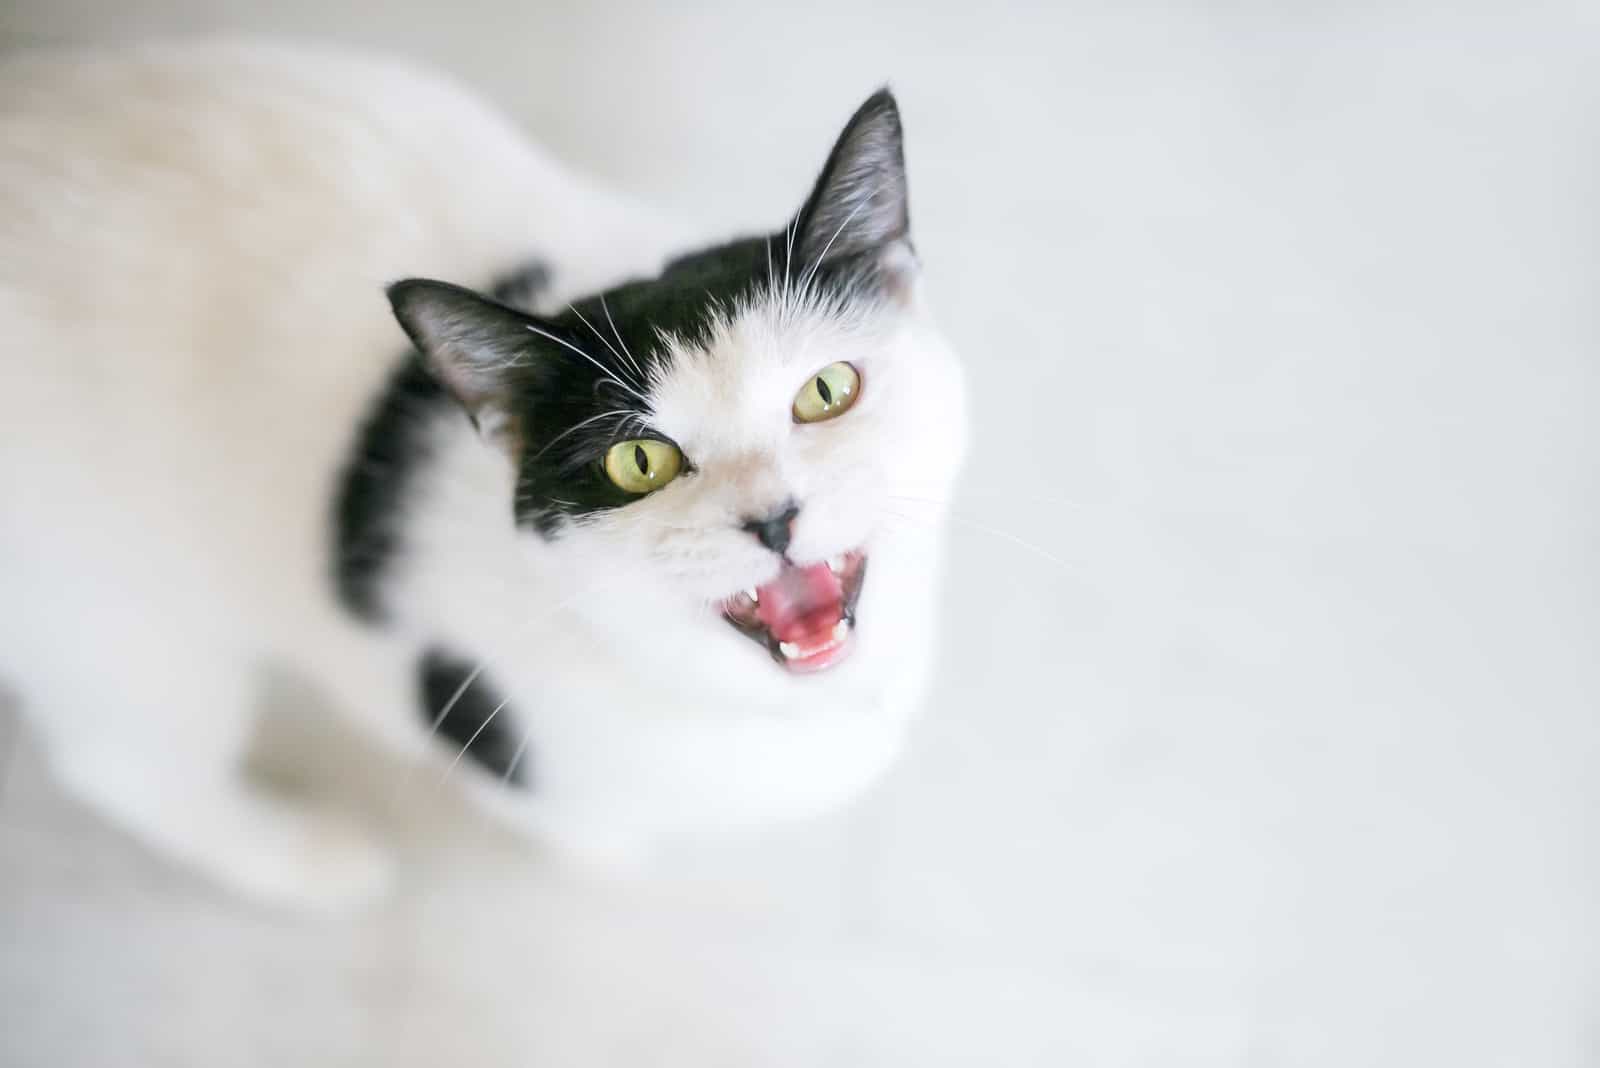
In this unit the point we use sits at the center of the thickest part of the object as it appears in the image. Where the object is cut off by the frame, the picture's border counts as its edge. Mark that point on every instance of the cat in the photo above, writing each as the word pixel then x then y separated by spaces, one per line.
pixel 634 537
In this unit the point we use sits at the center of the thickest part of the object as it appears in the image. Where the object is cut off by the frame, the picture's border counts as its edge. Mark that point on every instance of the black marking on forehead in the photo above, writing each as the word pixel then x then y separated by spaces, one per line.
pixel 579 411
pixel 476 721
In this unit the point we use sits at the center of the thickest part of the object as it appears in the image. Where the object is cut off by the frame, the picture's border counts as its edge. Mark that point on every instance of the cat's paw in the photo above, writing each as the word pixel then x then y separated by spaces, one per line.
pixel 257 844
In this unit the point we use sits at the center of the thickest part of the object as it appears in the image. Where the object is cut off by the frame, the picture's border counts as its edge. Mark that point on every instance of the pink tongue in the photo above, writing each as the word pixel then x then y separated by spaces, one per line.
pixel 801 603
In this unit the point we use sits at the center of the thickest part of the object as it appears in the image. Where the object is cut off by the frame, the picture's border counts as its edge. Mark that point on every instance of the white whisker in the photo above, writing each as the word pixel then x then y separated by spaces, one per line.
pixel 579 426
pixel 620 366
pixel 644 379
pixel 474 737
pixel 1009 495
pixel 815 266
pixel 439 719
pixel 516 755
pixel 1022 543
pixel 788 255
pixel 600 366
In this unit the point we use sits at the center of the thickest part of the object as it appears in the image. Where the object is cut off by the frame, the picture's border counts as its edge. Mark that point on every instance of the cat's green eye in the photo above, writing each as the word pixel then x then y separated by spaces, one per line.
pixel 643 465
pixel 828 395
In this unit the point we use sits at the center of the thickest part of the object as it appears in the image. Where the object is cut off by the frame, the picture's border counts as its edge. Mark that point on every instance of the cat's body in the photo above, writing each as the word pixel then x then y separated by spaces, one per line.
pixel 217 457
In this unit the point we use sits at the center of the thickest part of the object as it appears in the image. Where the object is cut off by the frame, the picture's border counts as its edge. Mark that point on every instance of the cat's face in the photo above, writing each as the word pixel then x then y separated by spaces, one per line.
pixel 737 431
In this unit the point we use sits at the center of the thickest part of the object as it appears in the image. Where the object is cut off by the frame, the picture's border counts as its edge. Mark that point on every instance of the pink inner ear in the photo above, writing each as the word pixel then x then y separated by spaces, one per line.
pixel 475 388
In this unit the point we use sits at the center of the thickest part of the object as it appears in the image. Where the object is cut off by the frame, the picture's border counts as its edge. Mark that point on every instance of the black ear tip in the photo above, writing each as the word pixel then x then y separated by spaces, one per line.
pixel 413 300
pixel 880 107
pixel 402 293
pixel 411 296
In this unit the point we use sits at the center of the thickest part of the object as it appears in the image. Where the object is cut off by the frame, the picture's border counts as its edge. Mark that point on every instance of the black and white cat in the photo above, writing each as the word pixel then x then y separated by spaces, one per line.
pixel 617 541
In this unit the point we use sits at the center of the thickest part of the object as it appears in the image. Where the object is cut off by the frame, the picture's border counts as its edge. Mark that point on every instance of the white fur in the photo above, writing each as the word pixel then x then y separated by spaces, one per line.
pixel 193 244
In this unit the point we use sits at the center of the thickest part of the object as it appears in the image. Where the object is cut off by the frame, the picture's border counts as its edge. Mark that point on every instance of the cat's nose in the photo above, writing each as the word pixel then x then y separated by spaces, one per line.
pixel 774 530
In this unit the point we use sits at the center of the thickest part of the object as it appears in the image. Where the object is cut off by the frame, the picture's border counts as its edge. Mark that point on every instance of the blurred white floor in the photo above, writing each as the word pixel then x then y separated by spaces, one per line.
pixel 1282 338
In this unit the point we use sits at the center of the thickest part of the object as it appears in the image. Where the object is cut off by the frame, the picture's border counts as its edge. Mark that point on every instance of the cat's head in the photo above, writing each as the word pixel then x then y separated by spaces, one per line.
pixel 738 430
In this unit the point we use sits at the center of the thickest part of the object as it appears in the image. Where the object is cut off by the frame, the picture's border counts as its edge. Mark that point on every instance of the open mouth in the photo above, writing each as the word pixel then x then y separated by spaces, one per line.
pixel 805 617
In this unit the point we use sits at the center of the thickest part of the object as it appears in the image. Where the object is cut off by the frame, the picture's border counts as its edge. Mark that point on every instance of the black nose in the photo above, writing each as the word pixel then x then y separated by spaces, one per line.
pixel 773 530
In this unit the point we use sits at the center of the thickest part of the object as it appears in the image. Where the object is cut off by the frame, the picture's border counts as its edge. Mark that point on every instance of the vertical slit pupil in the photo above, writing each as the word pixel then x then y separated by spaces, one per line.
pixel 823 391
pixel 641 459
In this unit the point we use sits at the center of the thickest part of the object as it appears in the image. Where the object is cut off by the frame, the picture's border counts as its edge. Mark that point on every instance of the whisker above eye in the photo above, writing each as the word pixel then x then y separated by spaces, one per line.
pixel 788 253
pixel 579 426
pixel 811 274
pixel 598 365
pixel 643 378
pixel 573 308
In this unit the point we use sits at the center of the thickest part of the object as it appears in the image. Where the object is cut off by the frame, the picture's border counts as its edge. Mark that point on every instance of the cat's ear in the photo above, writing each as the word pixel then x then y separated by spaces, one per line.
pixel 480 350
pixel 858 207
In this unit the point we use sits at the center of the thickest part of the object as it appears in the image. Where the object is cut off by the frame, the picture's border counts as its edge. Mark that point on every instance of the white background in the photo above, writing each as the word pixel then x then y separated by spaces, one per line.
pixel 1282 342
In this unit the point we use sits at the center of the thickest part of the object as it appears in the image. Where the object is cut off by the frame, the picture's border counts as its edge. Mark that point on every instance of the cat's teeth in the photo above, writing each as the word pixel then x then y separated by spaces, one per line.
pixel 841 631
pixel 837 564
pixel 755 598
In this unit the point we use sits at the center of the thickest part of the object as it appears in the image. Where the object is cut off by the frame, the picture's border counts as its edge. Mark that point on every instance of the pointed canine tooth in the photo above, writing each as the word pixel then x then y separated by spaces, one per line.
pixel 753 595
pixel 837 563
pixel 789 649
pixel 841 629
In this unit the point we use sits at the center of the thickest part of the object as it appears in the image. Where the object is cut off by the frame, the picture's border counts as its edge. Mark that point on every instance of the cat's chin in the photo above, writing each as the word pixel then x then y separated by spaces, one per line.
pixel 806 616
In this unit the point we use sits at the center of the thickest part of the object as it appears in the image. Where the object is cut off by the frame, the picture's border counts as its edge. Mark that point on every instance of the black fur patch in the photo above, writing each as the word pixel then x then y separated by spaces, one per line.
pixel 389 448
pixel 567 430
pixel 523 287
pixel 475 718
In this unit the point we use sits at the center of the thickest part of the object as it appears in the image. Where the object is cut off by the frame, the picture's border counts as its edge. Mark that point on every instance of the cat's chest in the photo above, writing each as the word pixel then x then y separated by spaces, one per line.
pixel 696 758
